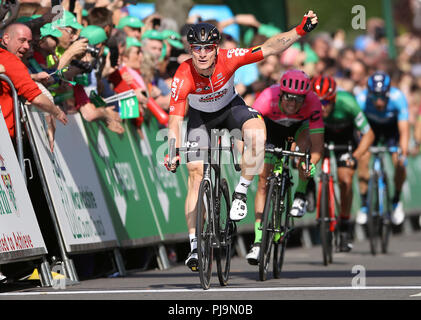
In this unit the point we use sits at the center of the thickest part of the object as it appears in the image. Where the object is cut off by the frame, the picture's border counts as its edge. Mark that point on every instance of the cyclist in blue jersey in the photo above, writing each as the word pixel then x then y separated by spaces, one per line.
pixel 386 109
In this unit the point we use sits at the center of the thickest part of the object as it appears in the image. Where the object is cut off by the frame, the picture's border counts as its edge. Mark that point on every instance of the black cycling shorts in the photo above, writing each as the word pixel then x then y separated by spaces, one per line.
pixel 199 125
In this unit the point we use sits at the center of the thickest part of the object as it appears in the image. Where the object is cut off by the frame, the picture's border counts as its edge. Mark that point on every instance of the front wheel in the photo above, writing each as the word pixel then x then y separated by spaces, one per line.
pixel 268 225
pixel 386 226
pixel 204 232
pixel 281 244
pixel 326 235
pixel 226 229
pixel 373 214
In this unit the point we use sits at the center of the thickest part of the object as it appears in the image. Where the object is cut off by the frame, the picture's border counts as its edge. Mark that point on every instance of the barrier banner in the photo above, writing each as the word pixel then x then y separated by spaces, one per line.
pixel 127 186
pixel 20 235
pixel 170 188
pixel 73 185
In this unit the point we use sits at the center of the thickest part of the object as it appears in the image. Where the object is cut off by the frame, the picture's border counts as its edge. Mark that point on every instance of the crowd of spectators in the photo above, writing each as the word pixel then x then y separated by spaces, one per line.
pixel 99 50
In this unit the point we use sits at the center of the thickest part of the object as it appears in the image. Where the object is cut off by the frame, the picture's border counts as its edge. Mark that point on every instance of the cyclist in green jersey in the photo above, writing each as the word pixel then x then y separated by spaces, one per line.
pixel 344 123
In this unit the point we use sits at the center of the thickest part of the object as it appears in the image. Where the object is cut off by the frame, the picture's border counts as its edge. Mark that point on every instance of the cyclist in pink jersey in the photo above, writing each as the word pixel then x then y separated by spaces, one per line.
pixel 290 109
pixel 203 89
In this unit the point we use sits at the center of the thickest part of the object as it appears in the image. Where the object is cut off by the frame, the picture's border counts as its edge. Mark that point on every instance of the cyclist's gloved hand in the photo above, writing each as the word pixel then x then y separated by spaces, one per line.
pixel 174 163
pixel 311 173
pixel 308 23
pixel 403 159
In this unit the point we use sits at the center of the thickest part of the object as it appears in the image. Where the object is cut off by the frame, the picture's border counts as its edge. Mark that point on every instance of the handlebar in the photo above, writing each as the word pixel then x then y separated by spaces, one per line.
pixel 173 151
pixel 338 147
pixel 282 152
pixel 384 149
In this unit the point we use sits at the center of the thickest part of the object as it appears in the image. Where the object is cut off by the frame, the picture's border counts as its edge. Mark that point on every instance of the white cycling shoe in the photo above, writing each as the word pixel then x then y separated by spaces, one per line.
pixel 398 215
pixel 254 254
pixel 361 216
pixel 298 208
pixel 238 207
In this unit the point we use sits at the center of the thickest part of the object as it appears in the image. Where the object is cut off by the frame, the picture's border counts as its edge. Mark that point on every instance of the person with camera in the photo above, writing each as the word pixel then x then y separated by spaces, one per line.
pixel 77 55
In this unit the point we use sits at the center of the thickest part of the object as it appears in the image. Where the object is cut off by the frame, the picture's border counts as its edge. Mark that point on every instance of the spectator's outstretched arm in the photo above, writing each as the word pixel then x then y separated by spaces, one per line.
pixel 282 41
pixel 42 102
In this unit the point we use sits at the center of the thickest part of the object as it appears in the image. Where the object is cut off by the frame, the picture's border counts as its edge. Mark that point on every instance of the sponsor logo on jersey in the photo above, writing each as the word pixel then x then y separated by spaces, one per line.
pixel 176 87
pixel 238 52
pixel 214 96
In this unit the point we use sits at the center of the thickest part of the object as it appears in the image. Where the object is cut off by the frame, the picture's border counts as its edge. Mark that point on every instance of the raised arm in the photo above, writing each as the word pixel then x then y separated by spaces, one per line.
pixel 282 41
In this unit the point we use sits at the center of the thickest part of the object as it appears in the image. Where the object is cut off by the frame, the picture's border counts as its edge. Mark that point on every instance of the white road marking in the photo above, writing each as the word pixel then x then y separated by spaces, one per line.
pixel 411 254
pixel 135 291
pixel 416 295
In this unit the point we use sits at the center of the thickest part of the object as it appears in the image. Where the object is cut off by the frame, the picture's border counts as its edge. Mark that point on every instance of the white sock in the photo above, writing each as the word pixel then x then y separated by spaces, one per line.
pixel 193 241
pixel 243 185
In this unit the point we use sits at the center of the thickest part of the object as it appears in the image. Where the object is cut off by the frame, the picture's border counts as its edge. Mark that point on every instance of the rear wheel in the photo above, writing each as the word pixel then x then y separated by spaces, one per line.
pixel 204 231
pixel 226 229
pixel 268 224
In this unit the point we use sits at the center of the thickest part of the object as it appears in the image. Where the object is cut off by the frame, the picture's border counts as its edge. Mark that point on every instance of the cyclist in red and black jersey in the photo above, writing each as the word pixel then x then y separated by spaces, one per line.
pixel 203 89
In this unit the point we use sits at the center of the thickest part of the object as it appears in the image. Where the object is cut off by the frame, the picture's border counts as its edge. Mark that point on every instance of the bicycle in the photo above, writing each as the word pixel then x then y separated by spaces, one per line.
pixel 276 221
pixel 214 228
pixel 379 201
pixel 327 203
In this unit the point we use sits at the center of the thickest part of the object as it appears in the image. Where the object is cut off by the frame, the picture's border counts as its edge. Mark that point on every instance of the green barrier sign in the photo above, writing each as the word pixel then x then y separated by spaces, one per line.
pixel 170 188
pixel 126 185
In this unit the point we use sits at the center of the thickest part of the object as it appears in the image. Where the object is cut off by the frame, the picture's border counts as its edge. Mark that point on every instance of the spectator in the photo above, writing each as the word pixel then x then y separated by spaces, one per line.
pixel 359 76
pixel 152 44
pixel 131 26
pixel 14 45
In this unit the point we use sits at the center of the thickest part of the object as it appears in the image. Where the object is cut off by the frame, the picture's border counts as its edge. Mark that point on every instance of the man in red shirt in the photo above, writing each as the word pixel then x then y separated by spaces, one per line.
pixel 14 45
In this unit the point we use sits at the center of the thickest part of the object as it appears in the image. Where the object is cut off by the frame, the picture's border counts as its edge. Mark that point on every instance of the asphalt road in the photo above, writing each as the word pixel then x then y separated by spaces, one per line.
pixel 353 276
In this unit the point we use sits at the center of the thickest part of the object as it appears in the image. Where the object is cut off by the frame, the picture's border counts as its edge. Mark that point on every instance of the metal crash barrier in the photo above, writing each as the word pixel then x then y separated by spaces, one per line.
pixel 20 235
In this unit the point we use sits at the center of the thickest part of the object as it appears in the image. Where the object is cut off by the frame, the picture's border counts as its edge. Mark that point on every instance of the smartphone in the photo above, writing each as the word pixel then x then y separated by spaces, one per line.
pixel 113 56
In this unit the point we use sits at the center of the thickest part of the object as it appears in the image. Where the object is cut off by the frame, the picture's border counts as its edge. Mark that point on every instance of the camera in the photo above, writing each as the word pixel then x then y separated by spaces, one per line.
pixel 92 50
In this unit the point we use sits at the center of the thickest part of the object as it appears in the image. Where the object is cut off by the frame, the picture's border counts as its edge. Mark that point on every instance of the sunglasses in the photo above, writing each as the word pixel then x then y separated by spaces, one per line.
pixel 325 102
pixel 293 97
pixel 198 48
pixel 375 96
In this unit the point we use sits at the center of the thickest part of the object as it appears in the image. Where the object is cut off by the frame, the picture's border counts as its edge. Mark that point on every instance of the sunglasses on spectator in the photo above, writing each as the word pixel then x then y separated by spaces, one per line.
pixel 198 48
pixel 293 97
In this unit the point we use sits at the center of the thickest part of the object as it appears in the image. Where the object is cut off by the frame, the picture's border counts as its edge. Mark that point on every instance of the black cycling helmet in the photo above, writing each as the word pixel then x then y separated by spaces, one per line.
pixel 203 33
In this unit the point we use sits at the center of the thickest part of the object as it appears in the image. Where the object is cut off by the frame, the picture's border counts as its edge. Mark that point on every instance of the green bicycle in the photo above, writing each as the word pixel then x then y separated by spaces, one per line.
pixel 277 223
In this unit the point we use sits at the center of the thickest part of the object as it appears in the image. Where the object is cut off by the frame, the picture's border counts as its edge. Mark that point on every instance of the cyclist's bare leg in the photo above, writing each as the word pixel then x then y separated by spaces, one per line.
pixel 400 173
pixel 195 169
pixel 254 136
pixel 363 172
pixel 345 184
pixel 259 202
pixel 303 142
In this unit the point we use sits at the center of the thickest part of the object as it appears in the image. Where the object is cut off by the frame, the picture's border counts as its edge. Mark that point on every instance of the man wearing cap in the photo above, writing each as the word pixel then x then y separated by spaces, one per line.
pixel 14 45
pixel 131 26
pixel 96 38
pixel 68 46
pixel 152 44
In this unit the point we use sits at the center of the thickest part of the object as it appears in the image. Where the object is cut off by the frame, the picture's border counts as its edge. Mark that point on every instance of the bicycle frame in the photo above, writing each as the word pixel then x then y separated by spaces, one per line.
pixel 378 171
